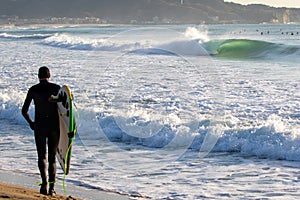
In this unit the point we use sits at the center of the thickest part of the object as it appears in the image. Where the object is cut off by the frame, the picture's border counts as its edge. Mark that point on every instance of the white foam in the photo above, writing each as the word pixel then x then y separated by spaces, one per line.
pixel 194 33
pixel 80 43
pixel 10 106
pixel 31 36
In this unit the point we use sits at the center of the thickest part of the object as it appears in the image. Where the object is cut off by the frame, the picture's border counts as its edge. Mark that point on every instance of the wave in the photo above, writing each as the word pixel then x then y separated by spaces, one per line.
pixel 238 49
pixel 232 49
pixel 183 48
pixel 250 49
pixel 29 36
pixel 10 107
pixel 176 48
pixel 196 43
pixel 79 43
pixel 273 139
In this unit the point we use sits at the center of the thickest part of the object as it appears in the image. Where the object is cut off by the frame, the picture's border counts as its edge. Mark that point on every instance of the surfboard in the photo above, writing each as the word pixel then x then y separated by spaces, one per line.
pixel 67 126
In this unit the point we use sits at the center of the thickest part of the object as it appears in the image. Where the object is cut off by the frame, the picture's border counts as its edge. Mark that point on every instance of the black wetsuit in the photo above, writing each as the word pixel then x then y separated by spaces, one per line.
pixel 45 125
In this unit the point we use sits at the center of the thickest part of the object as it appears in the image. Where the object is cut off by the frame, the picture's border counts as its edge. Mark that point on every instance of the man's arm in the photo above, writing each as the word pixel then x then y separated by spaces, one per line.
pixel 25 110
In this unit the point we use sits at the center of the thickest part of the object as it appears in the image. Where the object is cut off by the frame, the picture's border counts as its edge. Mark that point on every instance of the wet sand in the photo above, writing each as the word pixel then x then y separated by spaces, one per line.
pixel 8 191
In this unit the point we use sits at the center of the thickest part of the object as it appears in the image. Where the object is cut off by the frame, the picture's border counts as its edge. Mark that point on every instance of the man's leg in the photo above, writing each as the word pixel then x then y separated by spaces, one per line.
pixel 40 141
pixel 53 141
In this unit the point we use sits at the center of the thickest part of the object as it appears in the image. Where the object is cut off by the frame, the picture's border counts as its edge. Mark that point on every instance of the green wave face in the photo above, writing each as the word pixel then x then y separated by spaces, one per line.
pixel 248 49
pixel 243 48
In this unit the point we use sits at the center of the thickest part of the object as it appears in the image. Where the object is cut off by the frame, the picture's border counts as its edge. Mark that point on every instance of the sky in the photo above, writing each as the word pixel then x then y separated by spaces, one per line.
pixel 274 3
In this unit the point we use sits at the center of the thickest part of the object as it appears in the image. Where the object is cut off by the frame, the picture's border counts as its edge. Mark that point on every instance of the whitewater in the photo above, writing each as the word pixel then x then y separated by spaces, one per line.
pixel 164 112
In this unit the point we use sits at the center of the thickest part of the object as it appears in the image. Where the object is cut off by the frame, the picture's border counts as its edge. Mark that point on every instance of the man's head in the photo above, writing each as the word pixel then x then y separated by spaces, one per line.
pixel 44 73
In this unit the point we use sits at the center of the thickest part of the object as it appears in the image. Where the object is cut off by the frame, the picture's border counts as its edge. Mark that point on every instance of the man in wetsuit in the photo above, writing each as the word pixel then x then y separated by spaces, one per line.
pixel 45 126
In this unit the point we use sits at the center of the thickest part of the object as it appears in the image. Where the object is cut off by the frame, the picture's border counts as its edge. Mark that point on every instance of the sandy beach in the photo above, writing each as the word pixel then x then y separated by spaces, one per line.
pixel 21 186
pixel 8 191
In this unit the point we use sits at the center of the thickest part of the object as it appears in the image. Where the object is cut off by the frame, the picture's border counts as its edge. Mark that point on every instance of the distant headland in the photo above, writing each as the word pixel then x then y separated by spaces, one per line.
pixel 22 12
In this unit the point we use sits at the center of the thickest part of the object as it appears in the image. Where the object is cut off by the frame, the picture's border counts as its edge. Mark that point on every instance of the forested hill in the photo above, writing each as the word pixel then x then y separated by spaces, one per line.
pixel 142 11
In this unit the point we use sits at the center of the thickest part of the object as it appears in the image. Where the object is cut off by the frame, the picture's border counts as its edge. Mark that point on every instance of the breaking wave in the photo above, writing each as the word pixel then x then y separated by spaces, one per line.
pixel 250 49
pixel 239 49
pixel 19 37
pixel 195 43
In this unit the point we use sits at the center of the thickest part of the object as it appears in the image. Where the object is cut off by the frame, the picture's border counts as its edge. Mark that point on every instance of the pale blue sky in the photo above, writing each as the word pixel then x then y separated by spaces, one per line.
pixel 275 3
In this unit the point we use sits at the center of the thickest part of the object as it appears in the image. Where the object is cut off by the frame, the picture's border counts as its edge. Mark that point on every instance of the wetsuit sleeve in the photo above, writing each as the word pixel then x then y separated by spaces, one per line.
pixel 26 107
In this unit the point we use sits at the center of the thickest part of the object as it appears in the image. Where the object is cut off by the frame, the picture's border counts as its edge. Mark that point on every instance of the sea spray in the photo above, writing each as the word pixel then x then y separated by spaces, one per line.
pixel 194 33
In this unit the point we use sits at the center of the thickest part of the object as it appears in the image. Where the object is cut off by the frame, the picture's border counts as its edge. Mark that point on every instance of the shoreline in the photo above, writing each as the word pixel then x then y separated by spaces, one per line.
pixel 18 185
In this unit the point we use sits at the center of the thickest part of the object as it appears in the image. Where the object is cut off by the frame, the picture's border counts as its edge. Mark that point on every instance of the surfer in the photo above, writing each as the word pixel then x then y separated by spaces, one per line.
pixel 45 126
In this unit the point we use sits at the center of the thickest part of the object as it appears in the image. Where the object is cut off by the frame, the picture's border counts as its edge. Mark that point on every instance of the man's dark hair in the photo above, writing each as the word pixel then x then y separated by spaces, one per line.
pixel 44 72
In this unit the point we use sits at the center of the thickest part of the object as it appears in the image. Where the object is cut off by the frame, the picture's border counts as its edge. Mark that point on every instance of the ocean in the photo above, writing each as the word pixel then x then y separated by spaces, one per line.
pixel 165 111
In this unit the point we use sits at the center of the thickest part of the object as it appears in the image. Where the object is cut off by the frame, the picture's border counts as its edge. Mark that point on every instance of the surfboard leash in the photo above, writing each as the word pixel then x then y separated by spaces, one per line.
pixel 68 155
